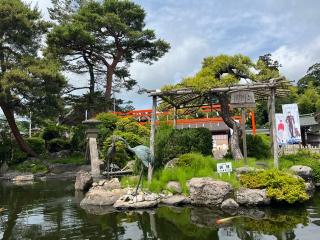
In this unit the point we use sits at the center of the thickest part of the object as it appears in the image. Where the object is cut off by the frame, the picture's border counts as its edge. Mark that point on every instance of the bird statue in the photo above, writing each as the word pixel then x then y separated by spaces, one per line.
pixel 142 153
pixel 111 153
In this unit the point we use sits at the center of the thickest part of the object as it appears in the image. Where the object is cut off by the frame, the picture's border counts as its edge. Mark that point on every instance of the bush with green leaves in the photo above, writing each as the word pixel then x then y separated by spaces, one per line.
pixel 171 143
pixel 58 144
pixel 280 185
pixel 303 157
pixel 258 146
pixel 37 145
pixel 52 131
pixel 34 166
pixel 78 139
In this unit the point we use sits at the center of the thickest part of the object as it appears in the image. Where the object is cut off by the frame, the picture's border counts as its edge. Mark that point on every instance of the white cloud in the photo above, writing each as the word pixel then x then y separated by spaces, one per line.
pixel 296 60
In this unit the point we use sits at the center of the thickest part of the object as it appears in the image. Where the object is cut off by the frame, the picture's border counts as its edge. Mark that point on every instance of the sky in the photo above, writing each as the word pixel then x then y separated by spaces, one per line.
pixel 288 29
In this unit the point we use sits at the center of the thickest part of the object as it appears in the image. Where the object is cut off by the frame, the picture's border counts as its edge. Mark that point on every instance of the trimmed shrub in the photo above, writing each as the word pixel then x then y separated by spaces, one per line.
pixel 280 185
pixel 171 143
pixel 58 144
pixel 53 131
pixel 78 139
pixel 36 144
pixel 258 146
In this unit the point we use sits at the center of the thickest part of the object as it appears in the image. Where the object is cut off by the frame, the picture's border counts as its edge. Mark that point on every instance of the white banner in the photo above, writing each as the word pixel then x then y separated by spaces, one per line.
pixel 280 129
pixel 292 123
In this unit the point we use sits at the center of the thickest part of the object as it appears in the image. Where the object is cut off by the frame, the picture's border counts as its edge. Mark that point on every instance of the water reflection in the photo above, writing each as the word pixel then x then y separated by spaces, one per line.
pixel 50 210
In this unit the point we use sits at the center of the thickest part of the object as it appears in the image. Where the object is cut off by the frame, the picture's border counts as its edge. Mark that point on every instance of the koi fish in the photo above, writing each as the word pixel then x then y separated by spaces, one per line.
pixel 2 210
pixel 225 220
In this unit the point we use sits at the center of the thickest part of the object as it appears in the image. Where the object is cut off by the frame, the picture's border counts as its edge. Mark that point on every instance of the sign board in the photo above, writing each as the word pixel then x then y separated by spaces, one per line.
pixel 224 167
pixel 280 129
pixel 242 99
pixel 292 123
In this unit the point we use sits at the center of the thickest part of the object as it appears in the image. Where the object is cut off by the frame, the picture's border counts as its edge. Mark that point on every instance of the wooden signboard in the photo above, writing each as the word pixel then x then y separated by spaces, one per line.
pixel 242 99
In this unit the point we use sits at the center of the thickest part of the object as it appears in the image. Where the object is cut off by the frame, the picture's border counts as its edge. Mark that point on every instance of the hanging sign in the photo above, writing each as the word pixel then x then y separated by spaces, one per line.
pixel 242 99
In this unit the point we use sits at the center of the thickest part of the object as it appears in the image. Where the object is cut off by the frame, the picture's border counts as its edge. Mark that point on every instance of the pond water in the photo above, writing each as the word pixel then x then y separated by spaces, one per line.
pixel 50 210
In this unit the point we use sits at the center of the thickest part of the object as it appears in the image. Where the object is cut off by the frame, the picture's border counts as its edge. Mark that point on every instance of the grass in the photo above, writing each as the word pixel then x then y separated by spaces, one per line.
pixel 189 166
pixel 76 159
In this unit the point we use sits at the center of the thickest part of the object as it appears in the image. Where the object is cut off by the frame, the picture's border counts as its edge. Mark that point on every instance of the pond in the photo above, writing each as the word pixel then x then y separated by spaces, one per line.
pixel 50 210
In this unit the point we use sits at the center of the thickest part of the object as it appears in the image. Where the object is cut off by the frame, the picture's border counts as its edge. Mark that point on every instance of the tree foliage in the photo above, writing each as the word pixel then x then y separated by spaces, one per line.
pixel 110 34
pixel 27 81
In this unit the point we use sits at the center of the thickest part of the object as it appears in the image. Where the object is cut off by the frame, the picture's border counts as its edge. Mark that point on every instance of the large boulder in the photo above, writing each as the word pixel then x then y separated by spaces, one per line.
pixel 174 187
pixel 310 188
pixel 247 196
pixel 83 181
pixel 302 171
pixel 206 191
pixel 175 200
pixel 244 170
pixel 99 197
pixel 24 178
pixel 229 204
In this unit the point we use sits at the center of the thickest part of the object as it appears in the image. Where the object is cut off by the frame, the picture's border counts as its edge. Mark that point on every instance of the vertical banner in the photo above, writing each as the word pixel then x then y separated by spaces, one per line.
pixel 280 129
pixel 292 123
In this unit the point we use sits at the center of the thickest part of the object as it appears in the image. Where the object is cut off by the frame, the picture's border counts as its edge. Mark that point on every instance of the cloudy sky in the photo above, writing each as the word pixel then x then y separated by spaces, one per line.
pixel 289 29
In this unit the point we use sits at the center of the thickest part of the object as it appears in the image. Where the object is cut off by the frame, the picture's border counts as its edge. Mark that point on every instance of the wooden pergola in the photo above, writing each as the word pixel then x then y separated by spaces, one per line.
pixel 189 99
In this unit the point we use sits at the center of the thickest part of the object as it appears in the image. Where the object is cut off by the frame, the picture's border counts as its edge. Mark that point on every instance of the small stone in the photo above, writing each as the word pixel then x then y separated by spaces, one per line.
pixel 175 200
pixel 140 198
pixel 247 196
pixel 94 184
pixel 151 197
pixel 174 187
pixel 229 204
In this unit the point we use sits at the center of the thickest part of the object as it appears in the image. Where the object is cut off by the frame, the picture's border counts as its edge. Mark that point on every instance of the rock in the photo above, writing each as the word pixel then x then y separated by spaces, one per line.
pixel 100 197
pixel 120 204
pixel 174 187
pixel 317 184
pixel 61 154
pixel 302 171
pixel 111 184
pixel 24 178
pixel 175 200
pixel 83 181
pixel 229 204
pixel 206 191
pixel 171 163
pixel 244 170
pixel 247 196
pixel 152 197
pixel 310 188
pixel 3 168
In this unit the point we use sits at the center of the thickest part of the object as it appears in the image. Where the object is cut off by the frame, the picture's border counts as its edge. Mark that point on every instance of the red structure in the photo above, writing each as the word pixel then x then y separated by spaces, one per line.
pixel 144 116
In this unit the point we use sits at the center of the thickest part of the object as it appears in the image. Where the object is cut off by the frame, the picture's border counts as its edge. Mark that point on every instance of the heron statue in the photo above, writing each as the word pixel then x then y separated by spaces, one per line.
pixel 111 153
pixel 142 153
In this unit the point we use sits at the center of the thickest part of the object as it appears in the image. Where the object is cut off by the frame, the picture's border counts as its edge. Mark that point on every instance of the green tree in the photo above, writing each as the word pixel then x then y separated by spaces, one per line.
pixel 111 34
pixel 27 82
pixel 312 76
pixel 309 100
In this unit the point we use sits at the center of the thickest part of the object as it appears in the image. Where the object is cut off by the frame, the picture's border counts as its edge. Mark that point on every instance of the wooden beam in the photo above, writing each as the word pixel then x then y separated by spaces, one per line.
pixel 244 136
pixel 152 137
pixel 174 117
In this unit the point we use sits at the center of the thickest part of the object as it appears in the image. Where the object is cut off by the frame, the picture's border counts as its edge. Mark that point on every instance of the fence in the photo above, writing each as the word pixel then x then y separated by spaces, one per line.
pixel 292 149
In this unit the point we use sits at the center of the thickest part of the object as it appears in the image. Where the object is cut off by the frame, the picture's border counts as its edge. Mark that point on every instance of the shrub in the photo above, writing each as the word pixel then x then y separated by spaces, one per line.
pixel 36 144
pixel 58 144
pixel 280 185
pixel 53 131
pixel 121 157
pixel 108 120
pixel 303 157
pixel 34 166
pixel 131 125
pixel 78 139
pixel 171 143
pixel 258 146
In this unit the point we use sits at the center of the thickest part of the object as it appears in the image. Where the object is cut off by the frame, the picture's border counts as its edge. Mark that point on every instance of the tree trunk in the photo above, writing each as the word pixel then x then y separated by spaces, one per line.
pixel 231 123
pixel 15 131
pixel 91 85
pixel 108 90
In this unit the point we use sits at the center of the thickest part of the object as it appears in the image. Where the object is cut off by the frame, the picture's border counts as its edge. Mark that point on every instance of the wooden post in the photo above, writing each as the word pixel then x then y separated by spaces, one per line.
pixel 244 135
pixel 174 117
pixel 273 133
pixel 152 136
pixel 253 123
